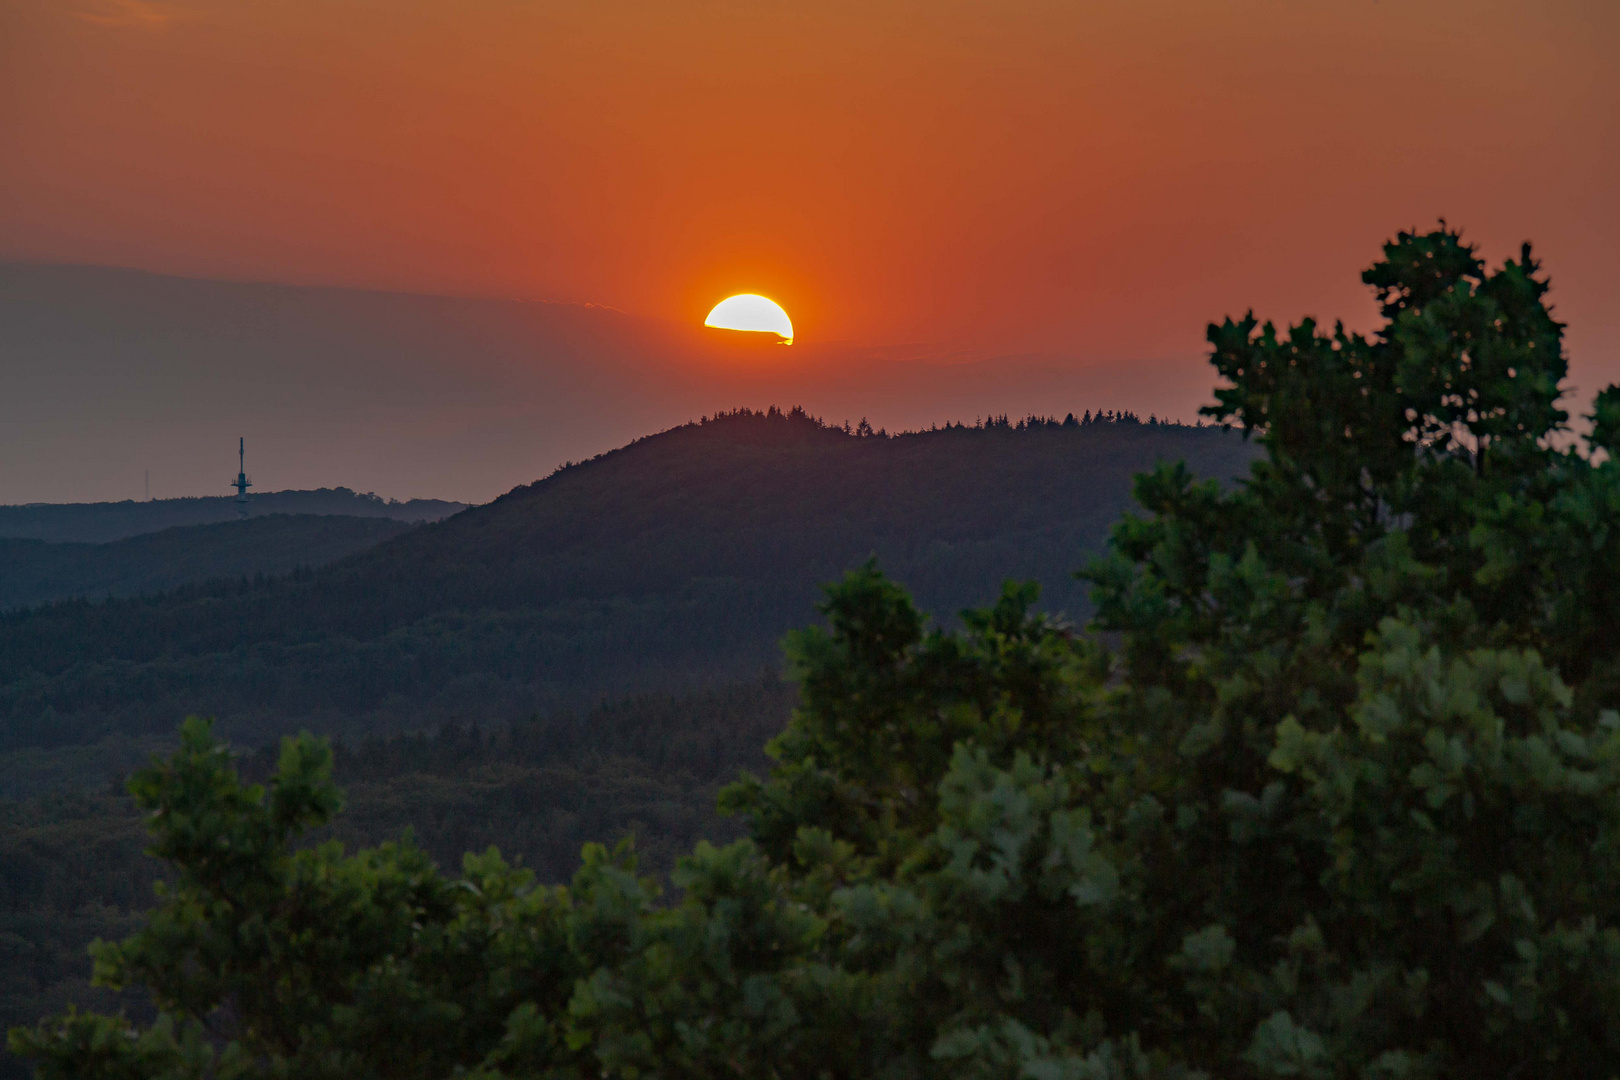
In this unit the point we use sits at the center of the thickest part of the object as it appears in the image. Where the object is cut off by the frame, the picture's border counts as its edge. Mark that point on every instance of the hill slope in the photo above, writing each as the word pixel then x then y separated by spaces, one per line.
pixel 102 523
pixel 35 572
pixel 678 559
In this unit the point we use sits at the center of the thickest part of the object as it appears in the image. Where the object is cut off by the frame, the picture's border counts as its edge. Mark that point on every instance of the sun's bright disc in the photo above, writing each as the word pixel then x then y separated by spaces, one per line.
pixel 751 312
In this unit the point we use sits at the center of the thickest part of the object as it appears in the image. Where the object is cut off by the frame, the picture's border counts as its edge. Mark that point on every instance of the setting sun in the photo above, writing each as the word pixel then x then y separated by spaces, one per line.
pixel 752 312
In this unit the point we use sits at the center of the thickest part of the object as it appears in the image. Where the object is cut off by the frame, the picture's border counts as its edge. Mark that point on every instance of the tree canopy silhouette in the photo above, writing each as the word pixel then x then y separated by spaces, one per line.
pixel 1331 790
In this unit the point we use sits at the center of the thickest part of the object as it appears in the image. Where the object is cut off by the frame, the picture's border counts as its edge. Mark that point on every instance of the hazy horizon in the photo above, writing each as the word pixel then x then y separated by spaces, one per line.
pixel 964 208
pixel 411 395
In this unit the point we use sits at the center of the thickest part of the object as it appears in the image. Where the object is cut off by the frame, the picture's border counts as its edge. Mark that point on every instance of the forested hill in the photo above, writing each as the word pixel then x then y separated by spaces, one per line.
pixel 101 523
pixel 680 558
pixel 34 572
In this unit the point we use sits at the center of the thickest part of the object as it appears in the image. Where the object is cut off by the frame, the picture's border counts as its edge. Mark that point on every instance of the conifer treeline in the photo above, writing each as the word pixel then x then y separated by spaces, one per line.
pixel 991 422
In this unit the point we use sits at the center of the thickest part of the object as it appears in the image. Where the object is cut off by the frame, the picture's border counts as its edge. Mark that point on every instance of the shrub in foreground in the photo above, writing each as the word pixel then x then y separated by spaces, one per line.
pixel 1330 788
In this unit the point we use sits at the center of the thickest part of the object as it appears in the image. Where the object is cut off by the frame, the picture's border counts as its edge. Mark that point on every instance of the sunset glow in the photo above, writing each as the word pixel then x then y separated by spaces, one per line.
pixel 754 313
pixel 964 208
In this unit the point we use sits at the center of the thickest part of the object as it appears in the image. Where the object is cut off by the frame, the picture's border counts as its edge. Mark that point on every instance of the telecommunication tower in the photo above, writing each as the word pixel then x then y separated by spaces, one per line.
pixel 241 483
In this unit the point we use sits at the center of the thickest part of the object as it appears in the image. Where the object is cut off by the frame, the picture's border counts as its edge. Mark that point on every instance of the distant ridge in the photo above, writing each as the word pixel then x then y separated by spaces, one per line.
pixel 101 523
pixel 34 572
pixel 672 562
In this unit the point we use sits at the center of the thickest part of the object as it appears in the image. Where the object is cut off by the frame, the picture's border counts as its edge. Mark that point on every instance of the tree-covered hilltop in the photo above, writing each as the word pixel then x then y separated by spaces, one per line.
pixel 1331 788
pixel 36 572
pixel 103 523
pixel 678 559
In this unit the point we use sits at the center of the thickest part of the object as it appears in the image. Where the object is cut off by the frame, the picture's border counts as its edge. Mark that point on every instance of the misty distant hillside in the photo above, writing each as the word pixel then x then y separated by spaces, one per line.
pixel 109 373
pixel 36 572
pixel 100 523
pixel 677 560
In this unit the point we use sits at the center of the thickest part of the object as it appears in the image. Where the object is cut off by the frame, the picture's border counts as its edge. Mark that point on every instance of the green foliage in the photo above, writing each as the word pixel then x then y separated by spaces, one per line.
pixel 72 867
pixel 1332 790
pixel 325 965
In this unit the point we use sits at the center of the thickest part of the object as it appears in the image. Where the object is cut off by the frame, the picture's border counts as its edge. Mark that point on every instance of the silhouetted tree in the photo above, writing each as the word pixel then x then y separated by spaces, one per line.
pixel 1335 791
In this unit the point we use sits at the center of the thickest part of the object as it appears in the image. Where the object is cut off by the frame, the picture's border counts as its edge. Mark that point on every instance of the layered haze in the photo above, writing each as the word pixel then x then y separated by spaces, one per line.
pixel 963 207
pixel 114 372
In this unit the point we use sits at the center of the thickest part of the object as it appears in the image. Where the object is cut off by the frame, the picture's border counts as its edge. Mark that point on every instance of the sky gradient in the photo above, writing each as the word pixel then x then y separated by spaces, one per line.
pixel 1078 186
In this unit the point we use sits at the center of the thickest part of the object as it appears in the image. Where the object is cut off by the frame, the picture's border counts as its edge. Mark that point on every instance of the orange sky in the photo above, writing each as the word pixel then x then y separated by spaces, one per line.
pixel 1087 181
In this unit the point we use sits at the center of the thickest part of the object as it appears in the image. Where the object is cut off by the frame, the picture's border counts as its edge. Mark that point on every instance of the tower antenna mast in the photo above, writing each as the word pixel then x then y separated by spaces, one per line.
pixel 241 483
